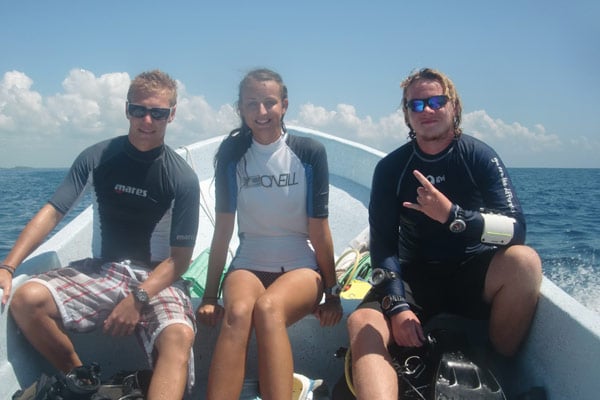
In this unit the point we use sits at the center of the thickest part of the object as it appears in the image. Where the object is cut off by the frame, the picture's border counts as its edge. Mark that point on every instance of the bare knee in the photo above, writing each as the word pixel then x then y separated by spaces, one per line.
pixel 516 268
pixel 30 298
pixel 266 309
pixel 368 329
pixel 525 259
pixel 265 304
pixel 175 339
pixel 238 314
pixel 527 269
pixel 364 317
pixel 512 288
pixel 356 321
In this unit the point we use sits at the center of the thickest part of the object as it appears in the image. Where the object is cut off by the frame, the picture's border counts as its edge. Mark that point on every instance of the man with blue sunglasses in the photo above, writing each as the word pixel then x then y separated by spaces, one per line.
pixel 448 232
pixel 146 204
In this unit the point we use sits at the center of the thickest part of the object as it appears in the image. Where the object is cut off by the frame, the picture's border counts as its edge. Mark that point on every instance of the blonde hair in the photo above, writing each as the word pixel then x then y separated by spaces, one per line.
pixel 448 88
pixel 151 82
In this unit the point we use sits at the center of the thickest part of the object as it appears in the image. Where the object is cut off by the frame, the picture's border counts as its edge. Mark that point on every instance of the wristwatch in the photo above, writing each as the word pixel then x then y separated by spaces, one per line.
pixel 391 301
pixel 140 296
pixel 458 225
pixel 335 290
pixel 380 275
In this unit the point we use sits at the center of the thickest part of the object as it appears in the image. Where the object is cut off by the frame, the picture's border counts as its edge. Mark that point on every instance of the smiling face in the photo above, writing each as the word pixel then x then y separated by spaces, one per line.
pixel 262 108
pixel 434 129
pixel 146 133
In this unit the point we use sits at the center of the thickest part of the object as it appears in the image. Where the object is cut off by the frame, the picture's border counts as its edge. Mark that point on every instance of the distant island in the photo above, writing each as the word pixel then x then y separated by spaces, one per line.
pixel 22 167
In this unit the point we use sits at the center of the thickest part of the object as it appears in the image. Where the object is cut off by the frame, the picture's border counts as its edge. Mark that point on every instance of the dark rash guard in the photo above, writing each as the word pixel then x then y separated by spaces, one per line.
pixel 469 173
pixel 144 202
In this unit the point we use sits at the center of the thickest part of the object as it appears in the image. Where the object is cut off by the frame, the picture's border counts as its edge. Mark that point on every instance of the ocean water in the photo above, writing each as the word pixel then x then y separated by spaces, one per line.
pixel 562 208
pixel 23 191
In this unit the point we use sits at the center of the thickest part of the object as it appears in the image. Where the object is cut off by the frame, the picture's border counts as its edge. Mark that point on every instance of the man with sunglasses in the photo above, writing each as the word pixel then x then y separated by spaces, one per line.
pixel 146 202
pixel 447 231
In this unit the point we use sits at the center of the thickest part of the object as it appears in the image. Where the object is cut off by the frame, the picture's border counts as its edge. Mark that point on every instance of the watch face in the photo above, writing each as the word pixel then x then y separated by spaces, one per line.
pixel 391 300
pixel 457 226
pixel 378 276
pixel 386 302
pixel 141 295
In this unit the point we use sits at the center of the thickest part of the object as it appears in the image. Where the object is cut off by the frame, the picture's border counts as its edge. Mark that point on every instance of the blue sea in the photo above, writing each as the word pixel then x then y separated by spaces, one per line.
pixel 562 207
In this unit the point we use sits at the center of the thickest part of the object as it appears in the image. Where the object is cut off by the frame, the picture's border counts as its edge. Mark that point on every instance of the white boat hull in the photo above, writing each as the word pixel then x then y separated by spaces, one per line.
pixel 561 353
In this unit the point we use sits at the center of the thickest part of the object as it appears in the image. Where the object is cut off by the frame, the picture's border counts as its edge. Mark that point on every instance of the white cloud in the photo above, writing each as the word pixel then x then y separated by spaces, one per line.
pixel 196 119
pixel 386 134
pixel 518 145
pixel 513 139
pixel 18 103
pixel 585 142
pixel 91 105
pixel 51 131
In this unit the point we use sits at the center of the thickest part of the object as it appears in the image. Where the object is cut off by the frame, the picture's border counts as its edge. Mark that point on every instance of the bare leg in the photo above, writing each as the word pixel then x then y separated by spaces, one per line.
pixel 290 298
pixel 275 361
pixel 373 375
pixel 171 369
pixel 228 365
pixel 36 314
pixel 512 287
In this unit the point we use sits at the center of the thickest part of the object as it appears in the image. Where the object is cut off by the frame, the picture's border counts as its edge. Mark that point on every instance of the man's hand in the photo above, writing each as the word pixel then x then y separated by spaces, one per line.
pixel 5 285
pixel 430 201
pixel 123 318
pixel 407 329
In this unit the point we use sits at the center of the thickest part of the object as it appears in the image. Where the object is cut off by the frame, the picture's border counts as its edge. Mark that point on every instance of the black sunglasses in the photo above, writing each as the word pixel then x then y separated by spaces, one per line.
pixel 158 114
pixel 434 102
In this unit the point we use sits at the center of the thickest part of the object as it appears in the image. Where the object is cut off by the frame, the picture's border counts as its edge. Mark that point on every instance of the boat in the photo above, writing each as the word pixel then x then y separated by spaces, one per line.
pixel 560 354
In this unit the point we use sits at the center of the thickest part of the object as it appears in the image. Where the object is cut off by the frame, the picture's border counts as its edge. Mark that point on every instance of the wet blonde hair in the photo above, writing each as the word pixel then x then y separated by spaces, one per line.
pixel 448 88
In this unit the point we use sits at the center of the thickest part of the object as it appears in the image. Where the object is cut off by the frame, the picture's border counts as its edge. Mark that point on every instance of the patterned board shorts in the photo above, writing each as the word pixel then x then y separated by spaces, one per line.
pixel 87 291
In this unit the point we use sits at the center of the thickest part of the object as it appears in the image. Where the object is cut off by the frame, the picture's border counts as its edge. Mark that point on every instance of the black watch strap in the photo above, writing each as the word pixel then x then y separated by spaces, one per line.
pixel 393 304
pixel 457 221
pixel 335 290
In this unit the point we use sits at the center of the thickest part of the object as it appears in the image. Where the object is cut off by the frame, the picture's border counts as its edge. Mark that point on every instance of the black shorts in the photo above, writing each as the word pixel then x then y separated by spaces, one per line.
pixel 266 278
pixel 433 289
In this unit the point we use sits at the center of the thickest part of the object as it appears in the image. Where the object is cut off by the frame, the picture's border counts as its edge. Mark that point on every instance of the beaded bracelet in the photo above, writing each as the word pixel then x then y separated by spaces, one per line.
pixel 8 268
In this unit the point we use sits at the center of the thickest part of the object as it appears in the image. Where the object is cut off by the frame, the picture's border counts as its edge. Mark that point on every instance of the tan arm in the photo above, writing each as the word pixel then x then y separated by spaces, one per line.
pixel 320 237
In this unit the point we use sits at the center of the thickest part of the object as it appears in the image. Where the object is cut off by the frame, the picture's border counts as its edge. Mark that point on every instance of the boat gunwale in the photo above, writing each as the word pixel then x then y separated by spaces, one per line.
pixel 562 326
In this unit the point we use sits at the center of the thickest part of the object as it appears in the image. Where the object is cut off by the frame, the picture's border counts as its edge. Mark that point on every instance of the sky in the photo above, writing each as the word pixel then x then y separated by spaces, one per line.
pixel 527 72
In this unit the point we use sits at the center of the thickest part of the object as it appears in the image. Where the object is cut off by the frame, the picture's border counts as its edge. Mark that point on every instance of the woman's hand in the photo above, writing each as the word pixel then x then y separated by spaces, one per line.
pixel 209 312
pixel 330 312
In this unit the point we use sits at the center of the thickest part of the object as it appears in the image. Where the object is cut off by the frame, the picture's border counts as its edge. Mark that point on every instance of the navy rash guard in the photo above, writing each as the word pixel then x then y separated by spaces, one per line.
pixel 144 202
pixel 469 173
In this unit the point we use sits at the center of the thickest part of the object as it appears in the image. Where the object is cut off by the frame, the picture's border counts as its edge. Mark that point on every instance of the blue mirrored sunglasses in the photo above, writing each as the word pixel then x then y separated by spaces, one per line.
pixel 158 114
pixel 434 102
